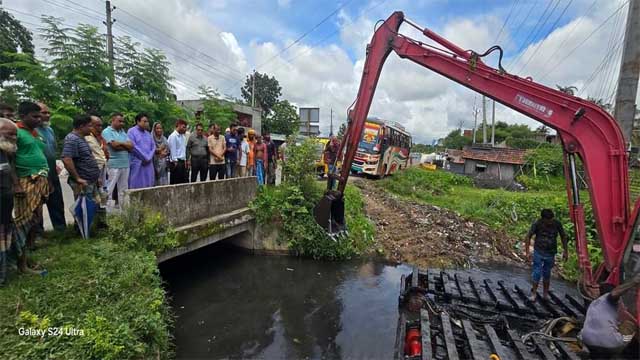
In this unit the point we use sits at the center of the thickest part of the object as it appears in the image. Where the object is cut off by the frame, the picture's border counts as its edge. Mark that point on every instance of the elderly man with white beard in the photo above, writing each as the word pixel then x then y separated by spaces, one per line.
pixel 8 179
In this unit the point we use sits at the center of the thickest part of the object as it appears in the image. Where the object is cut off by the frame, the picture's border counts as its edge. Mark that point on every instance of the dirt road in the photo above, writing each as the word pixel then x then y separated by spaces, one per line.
pixel 429 236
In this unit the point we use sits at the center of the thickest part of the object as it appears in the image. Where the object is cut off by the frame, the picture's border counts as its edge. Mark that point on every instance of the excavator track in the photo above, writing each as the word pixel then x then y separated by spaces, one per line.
pixel 465 317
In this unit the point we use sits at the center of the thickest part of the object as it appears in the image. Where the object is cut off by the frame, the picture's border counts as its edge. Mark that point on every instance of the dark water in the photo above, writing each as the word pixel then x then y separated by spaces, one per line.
pixel 230 304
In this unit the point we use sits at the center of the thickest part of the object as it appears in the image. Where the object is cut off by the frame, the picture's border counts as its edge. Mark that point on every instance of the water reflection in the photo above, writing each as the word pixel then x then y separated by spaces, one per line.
pixel 233 305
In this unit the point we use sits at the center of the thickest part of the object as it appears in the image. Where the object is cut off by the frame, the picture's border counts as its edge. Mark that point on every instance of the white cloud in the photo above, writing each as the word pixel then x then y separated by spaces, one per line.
pixel 328 75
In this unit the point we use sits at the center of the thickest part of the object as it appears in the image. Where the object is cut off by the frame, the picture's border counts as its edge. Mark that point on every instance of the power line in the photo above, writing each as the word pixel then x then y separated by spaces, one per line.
pixel 583 41
pixel 608 78
pixel 533 30
pixel 519 27
pixel 167 48
pixel 179 41
pixel 505 21
pixel 306 33
pixel 70 25
pixel 539 45
pixel 296 41
pixel 573 28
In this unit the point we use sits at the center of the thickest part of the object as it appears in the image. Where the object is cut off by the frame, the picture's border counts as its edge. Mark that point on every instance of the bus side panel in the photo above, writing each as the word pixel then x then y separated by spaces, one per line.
pixel 395 158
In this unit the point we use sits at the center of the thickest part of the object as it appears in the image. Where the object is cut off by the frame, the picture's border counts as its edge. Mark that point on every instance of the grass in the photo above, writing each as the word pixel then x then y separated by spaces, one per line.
pixel 512 212
pixel 111 295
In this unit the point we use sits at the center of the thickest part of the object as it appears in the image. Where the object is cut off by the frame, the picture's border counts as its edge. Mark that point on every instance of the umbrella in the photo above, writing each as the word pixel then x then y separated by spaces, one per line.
pixel 84 210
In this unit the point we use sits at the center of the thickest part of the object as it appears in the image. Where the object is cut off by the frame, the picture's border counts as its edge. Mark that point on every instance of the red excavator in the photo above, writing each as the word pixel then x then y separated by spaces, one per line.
pixel 588 134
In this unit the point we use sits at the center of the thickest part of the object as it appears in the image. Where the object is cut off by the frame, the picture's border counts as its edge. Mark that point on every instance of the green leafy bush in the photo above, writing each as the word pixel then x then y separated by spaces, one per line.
pixel 545 160
pixel 422 182
pixel 138 227
pixel 285 208
pixel 113 295
pixel 300 170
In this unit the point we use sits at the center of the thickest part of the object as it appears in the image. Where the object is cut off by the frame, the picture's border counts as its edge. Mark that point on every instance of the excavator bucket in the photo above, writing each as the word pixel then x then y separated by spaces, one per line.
pixel 329 212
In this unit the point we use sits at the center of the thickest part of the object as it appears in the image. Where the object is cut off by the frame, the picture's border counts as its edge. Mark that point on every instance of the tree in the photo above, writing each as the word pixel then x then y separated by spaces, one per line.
pixel 78 62
pixel 14 39
pixel 215 110
pixel 267 88
pixel 283 120
pixel 422 148
pixel 455 140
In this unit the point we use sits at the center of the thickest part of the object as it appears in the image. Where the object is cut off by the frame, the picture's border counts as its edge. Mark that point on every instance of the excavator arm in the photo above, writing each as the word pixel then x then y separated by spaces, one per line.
pixel 587 132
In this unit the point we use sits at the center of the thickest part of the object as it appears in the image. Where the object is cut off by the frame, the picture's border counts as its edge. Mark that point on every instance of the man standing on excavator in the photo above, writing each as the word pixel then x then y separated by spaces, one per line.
pixel 546 229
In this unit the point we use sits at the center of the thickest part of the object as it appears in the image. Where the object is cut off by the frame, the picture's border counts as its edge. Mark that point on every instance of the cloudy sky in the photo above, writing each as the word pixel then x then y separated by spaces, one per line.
pixel 316 49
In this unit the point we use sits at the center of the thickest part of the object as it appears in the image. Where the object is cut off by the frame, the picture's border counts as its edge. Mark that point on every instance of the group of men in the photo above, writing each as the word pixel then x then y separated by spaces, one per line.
pixel 234 154
pixel 102 164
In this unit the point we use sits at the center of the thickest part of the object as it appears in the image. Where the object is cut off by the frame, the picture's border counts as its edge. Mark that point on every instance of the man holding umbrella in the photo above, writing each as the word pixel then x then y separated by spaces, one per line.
pixel 78 159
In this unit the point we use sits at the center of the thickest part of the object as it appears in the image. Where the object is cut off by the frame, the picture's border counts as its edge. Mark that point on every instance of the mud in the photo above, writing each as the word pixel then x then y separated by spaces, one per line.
pixel 432 237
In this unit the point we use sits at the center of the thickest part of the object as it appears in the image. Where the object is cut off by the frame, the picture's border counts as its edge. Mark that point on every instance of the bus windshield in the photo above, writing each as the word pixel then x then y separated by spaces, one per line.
pixel 369 137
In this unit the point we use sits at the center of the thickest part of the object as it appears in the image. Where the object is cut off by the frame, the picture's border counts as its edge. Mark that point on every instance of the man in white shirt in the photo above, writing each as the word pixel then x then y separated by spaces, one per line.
pixel 178 154
pixel 244 153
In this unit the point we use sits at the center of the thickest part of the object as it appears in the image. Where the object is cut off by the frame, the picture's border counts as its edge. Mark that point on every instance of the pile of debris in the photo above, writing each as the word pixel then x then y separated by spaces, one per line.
pixel 430 236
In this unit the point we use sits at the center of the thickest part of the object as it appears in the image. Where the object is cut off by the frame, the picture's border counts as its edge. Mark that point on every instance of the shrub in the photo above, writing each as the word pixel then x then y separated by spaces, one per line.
pixel 138 227
pixel 300 168
pixel 285 208
pixel 111 293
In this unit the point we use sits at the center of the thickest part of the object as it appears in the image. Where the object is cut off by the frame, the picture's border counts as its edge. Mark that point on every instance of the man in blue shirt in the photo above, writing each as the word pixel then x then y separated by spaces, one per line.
pixel 231 155
pixel 55 202
pixel 119 146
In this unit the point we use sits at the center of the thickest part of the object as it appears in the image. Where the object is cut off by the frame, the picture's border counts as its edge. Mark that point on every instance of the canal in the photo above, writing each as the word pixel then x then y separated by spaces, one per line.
pixel 230 304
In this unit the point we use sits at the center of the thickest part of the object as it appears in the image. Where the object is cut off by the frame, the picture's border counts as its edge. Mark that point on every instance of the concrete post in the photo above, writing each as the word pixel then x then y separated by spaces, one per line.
pixel 625 106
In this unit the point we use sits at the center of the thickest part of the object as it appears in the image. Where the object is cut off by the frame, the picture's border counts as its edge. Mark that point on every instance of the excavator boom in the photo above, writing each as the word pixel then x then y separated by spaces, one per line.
pixel 588 134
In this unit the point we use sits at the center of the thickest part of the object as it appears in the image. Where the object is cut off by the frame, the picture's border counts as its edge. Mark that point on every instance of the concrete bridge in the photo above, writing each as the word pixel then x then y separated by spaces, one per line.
pixel 204 213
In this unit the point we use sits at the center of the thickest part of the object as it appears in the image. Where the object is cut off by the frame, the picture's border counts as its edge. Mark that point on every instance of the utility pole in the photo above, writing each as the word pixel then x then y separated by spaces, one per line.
pixel 625 107
pixel 109 23
pixel 253 89
pixel 475 123
pixel 493 125
pixel 484 119
pixel 331 126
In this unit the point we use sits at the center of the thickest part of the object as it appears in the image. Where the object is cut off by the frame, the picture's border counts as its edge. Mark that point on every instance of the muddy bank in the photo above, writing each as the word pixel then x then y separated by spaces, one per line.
pixel 432 237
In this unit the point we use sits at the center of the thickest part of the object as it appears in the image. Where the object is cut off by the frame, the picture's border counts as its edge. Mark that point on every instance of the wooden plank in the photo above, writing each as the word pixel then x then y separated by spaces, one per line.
pixel 517 304
pixel 544 350
pixel 577 304
pixel 432 278
pixel 492 295
pixel 425 333
pixel 533 306
pixel 552 308
pixel 496 345
pixel 566 351
pixel 401 333
pixel 449 340
pixel 459 286
pixel 477 352
pixel 483 298
pixel 519 348
pixel 448 286
pixel 565 305
pixel 402 290
pixel 414 277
